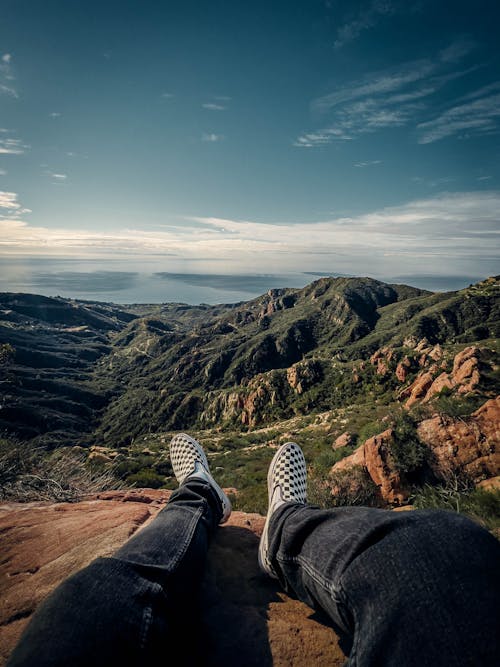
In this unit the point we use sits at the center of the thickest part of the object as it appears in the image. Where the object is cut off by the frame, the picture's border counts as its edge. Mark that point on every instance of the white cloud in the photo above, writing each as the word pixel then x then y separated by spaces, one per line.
pixel 368 163
pixel 12 208
pixel 3 172
pixel 446 234
pixel 480 116
pixel 211 137
pixel 9 146
pixel 395 97
pixel 457 50
pixel 8 90
pixel 377 83
pixel 6 76
pixel 168 96
pixel 366 18
pixel 9 200
pixel 211 106
pixel 55 114
pixel 59 177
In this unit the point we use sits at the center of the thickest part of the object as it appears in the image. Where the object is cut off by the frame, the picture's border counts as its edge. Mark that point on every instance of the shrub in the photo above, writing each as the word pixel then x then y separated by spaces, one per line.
pixel 407 451
pixel 324 461
pixel 146 478
pixel 457 494
pixel 344 488
pixel 370 429
pixel 456 407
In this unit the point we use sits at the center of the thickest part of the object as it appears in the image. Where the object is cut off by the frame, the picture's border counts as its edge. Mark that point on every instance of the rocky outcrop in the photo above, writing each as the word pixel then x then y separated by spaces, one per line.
pixel 403 368
pixel 250 405
pixel 247 619
pixel 469 444
pixel 382 359
pixel 275 300
pixel 374 456
pixel 302 375
pixel 463 378
pixel 344 440
pixel 418 389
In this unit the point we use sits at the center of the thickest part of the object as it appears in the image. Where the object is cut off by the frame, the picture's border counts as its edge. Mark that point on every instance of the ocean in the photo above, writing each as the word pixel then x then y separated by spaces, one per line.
pixel 129 281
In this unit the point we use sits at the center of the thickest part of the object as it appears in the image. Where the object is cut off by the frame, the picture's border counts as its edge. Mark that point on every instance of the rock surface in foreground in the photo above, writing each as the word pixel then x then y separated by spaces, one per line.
pixel 247 620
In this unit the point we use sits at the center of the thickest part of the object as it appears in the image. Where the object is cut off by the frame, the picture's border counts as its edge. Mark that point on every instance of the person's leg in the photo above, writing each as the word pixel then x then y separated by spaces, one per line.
pixel 401 588
pixel 124 609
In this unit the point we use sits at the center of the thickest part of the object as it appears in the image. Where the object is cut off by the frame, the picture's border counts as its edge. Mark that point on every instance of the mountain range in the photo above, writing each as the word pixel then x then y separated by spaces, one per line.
pixel 81 372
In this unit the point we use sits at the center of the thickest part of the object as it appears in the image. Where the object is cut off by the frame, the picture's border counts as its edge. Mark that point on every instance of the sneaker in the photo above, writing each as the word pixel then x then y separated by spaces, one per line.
pixel 189 460
pixel 286 483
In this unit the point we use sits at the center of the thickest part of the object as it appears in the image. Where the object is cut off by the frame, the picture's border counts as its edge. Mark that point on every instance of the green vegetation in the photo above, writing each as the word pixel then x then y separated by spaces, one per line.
pixel 449 404
pixel 459 495
pixel 342 489
pixel 408 453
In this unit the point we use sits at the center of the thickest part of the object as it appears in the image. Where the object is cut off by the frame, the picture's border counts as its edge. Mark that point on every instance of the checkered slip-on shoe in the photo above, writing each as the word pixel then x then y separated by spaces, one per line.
pixel 286 482
pixel 189 460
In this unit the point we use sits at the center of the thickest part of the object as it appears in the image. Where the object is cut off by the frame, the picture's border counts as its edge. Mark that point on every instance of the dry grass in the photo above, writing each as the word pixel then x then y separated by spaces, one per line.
pixel 28 474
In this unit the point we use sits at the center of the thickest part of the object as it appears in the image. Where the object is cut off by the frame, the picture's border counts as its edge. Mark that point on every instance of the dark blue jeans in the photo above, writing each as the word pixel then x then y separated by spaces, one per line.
pixel 403 589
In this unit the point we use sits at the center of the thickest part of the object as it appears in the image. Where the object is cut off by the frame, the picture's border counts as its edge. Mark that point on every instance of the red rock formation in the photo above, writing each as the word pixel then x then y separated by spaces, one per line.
pixel 470 444
pixel 381 469
pixel 357 458
pixel 374 456
pixel 245 612
pixel 402 369
pixel 344 440
pixel 301 376
pixel 417 391
pixel 443 381
pixel 436 353
pixel 464 377
pixel 465 372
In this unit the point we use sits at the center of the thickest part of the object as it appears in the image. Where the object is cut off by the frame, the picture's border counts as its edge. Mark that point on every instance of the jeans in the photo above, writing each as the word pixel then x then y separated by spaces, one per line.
pixel 401 588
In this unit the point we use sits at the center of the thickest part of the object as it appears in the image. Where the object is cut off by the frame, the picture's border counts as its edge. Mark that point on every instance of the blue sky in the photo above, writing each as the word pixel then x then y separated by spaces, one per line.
pixel 247 137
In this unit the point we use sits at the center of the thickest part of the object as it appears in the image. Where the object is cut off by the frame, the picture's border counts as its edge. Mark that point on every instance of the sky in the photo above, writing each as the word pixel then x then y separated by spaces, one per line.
pixel 265 137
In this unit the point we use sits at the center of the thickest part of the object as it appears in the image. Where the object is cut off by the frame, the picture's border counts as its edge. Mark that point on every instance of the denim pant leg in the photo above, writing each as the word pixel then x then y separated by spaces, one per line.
pixel 126 609
pixel 403 589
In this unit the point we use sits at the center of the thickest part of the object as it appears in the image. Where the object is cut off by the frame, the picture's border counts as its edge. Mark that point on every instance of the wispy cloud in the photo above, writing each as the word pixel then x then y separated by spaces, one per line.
pixel 6 76
pixel 378 83
pixel 3 172
pixel 211 137
pixel 9 200
pixel 367 17
pixel 480 116
pixel 448 234
pixel 401 96
pixel 59 177
pixel 12 209
pixel 11 146
pixel 167 96
pixel 368 163
pixel 433 182
pixel 211 106
pixel 55 114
